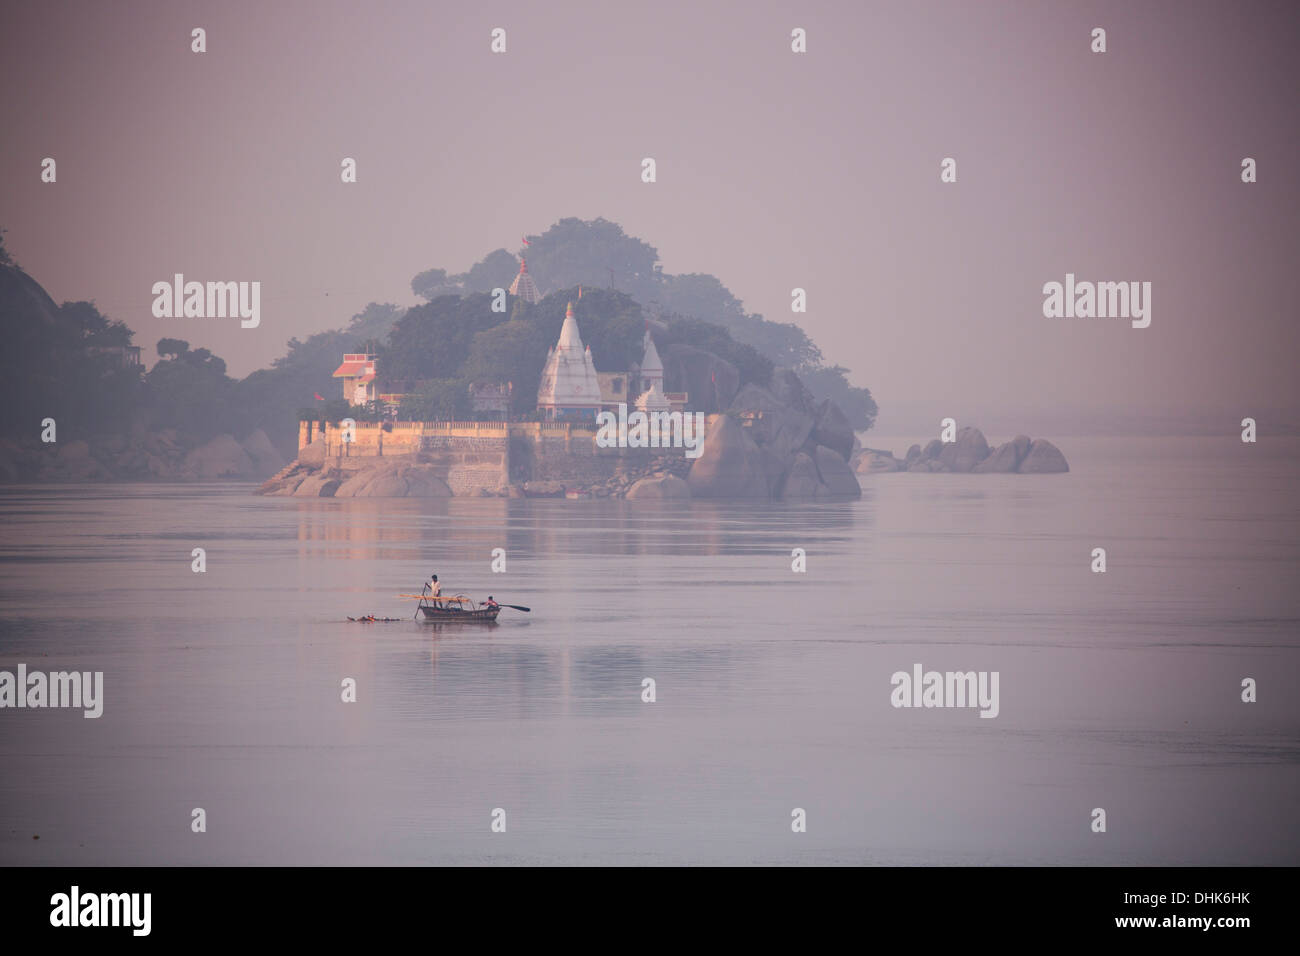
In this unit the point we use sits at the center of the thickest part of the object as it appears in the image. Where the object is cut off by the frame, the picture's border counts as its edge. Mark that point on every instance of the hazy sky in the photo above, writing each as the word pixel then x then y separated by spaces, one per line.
pixel 775 170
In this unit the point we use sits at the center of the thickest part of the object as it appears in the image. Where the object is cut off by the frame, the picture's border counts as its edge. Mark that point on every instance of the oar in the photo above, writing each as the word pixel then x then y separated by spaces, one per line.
pixel 517 607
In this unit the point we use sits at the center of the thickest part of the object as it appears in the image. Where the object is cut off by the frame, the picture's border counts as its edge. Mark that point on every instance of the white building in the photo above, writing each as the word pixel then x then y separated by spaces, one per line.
pixel 569 388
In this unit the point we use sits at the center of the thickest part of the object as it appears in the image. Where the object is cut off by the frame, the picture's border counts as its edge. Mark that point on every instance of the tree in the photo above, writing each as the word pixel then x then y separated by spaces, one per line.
pixel 753 366
pixel 574 251
pixel 832 382
pixel 87 325
pixel 495 271
pixel 441 400
pixel 432 283
pixel 512 352
pixel 432 341
pixel 188 390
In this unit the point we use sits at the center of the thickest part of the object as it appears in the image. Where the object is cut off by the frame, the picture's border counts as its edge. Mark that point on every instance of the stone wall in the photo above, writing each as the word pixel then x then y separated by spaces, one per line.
pixel 476 458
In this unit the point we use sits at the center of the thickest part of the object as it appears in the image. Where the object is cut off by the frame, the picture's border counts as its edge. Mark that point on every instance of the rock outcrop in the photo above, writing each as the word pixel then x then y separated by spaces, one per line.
pixel 836 475
pixel 1006 458
pixel 730 465
pixel 1043 458
pixel 832 430
pixel 966 452
pixel 777 442
pixel 970 453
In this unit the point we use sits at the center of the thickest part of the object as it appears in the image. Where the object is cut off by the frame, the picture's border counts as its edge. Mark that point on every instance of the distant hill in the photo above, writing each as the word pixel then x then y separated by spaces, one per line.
pixel 66 361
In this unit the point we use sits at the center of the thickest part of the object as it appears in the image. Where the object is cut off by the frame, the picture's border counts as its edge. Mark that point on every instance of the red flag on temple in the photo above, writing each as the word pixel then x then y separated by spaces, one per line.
pixel 319 397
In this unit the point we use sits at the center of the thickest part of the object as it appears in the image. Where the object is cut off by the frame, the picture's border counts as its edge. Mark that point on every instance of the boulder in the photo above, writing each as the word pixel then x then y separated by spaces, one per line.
pixel 666 486
pixel 832 430
pixel 1043 458
pixel 317 486
pixel 730 465
pixel 775 469
pixel 966 452
pixel 803 480
pixel 313 454
pixel 353 486
pixel 222 457
pixel 389 485
pixel 932 449
pixel 786 388
pixel 1006 458
pixel 912 455
pixel 266 460
pixel 711 382
pixel 835 473
pixel 781 428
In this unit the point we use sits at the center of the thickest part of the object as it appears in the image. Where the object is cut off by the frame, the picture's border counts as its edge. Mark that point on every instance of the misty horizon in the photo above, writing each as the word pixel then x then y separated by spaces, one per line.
pixel 818 171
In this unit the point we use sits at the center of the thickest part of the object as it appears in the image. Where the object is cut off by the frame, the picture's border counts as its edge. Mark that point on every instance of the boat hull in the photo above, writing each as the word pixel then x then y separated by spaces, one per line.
pixel 447 615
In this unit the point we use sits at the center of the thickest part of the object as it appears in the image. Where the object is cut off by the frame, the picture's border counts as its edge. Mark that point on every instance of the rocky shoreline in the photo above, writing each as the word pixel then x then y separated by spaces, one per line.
pixel 773 443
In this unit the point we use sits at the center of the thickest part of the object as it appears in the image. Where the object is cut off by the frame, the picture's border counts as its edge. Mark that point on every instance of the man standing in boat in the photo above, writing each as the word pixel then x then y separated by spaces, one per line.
pixel 435 591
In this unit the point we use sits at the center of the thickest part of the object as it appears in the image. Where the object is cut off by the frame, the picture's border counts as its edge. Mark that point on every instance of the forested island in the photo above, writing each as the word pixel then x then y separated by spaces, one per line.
pixel 183 417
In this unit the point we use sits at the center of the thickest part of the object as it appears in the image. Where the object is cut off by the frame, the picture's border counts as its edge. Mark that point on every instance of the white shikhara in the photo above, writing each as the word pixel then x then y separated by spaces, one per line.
pixel 946 689
pixel 1086 300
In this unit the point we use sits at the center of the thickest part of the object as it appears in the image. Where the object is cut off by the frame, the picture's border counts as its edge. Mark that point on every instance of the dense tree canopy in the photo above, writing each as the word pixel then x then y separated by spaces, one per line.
pixel 67 361
pixel 598 254
pixel 431 341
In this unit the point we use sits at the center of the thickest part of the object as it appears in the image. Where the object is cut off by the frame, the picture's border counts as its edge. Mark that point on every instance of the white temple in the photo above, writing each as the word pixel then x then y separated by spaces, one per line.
pixel 652 369
pixel 569 387
pixel 524 286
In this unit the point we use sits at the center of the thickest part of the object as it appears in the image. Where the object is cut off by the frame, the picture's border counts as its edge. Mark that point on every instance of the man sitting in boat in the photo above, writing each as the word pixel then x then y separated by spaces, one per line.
pixel 491 602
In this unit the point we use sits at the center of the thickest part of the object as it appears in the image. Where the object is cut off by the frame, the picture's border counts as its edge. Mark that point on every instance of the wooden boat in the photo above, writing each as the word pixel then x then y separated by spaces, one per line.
pixel 458 615
pixel 455 610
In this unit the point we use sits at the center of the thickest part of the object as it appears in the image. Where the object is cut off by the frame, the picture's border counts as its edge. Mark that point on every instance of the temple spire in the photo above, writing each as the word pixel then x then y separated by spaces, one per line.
pixel 524 287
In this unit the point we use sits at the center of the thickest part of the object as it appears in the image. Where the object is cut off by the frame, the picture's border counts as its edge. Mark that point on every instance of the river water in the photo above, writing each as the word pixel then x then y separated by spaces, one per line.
pixel 222 689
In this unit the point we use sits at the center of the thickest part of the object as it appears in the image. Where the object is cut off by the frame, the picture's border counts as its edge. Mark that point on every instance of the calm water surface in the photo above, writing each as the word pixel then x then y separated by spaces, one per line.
pixel 1117 690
